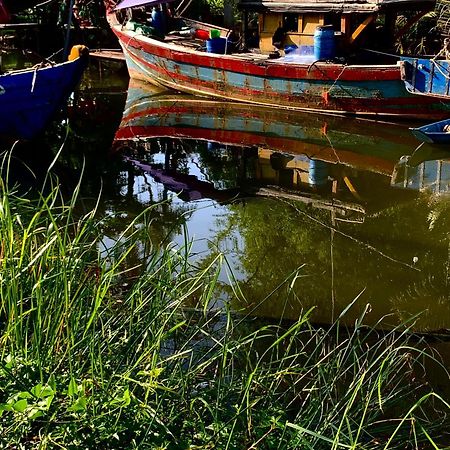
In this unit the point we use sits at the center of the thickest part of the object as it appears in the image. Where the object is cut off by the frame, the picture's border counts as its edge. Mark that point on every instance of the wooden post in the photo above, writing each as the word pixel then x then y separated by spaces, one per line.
pixel 228 14
pixel 361 28
pixel 69 25
pixel 345 25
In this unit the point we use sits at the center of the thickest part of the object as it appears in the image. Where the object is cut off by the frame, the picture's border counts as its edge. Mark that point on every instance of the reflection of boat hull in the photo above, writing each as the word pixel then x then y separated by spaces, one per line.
pixel 318 136
pixel 29 98
pixel 366 90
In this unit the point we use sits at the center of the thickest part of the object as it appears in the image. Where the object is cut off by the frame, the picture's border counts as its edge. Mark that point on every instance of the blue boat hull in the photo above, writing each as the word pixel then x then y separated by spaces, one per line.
pixel 433 133
pixel 30 98
pixel 426 76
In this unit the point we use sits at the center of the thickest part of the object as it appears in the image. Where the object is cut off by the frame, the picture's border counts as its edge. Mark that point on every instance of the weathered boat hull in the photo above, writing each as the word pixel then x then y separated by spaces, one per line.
pixel 322 87
pixel 30 98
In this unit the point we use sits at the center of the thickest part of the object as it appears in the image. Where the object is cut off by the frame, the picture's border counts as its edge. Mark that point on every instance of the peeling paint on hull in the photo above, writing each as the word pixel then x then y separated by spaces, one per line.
pixel 330 88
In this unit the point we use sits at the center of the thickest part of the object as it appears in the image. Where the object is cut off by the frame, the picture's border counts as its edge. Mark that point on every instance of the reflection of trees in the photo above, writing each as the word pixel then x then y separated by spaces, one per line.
pixel 226 166
pixel 271 250
pixel 270 239
pixel 429 295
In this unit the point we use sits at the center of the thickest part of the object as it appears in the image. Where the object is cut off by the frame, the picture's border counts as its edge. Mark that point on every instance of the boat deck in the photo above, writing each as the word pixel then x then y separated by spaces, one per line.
pixel 198 44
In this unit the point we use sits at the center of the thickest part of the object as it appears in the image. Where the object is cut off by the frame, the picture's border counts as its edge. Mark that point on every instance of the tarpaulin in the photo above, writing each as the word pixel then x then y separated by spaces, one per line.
pixel 133 3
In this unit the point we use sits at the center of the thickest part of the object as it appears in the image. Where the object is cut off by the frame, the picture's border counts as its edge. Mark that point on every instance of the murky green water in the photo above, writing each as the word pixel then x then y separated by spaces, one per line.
pixel 309 211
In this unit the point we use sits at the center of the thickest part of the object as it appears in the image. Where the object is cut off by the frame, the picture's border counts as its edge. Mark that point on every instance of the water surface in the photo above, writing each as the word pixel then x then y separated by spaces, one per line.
pixel 310 211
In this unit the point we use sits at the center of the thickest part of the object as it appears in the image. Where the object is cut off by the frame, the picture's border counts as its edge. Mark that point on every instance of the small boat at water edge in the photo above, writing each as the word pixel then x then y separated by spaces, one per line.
pixel 433 133
pixel 29 98
pixel 323 82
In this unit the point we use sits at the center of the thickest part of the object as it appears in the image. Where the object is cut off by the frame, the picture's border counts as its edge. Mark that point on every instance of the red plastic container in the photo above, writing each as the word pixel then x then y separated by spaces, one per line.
pixel 201 34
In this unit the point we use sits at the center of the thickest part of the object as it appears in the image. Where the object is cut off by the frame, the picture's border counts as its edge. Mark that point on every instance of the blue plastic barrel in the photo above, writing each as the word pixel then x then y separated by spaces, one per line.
pixel 158 21
pixel 216 45
pixel 324 43
pixel 317 173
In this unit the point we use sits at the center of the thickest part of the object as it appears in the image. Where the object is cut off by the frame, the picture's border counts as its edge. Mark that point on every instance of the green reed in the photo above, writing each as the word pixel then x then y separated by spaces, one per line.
pixel 99 353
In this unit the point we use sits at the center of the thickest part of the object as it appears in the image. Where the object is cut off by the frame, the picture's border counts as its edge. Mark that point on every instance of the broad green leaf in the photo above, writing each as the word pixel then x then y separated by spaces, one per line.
pixel 79 405
pixel 20 405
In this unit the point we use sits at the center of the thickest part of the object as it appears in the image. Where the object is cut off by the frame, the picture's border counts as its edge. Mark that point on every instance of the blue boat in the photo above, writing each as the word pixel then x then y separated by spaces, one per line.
pixel 433 133
pixel 426 76
pixel 30 98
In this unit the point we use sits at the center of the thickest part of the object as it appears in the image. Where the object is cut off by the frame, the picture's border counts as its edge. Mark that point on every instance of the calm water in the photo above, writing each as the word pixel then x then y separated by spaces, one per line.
pixel 309 211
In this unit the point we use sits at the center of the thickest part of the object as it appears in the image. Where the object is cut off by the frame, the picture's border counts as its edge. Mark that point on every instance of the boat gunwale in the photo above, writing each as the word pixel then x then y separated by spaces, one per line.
pixel 39 68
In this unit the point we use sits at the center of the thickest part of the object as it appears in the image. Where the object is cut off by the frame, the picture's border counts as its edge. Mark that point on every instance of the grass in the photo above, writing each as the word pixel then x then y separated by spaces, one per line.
pixel 96 353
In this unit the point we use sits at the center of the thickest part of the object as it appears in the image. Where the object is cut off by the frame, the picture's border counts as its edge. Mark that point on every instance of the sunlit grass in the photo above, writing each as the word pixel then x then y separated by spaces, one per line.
pixel 98 354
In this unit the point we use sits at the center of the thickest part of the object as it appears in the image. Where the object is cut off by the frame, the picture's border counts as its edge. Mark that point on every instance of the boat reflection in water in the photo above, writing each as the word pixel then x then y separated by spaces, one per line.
pixel 343 206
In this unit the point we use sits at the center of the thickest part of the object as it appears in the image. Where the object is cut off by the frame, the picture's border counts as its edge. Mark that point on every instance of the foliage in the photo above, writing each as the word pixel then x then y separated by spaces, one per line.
pixel 99 354
pixel 422 38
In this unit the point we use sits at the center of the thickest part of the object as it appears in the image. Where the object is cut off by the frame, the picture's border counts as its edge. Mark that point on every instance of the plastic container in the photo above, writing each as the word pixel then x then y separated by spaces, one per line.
pixel 216 45
pixel 158 21
pixel 214 33
pixel 324 43
pixel 317 173
pixel 201 34
pixel 290 48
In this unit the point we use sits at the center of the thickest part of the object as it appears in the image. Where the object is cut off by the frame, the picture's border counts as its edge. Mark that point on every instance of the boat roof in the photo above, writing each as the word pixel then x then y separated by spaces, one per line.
pixel 346 6
pixel 135 3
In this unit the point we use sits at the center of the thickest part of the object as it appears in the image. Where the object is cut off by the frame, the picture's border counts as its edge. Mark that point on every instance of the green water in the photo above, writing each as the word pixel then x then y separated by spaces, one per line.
pixel 309 211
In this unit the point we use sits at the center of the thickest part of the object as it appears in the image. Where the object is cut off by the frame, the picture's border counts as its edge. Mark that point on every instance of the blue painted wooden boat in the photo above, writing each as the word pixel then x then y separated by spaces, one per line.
pixel 433 133
pixel 426 76
pixel 30 98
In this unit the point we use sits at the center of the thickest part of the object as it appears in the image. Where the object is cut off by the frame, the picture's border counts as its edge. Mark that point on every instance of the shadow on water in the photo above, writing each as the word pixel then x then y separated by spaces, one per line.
pixel 79 137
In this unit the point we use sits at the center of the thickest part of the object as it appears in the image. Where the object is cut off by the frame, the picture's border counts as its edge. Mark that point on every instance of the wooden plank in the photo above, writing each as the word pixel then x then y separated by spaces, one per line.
pixel 114 55
pixel 361 28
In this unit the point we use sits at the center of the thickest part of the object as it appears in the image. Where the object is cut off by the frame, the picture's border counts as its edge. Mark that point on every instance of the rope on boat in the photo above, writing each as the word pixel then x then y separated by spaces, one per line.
pixel 33 82
pixel 393 55
pixel 47 2
pixel 337 79
pixel 180 11
pixel 444 51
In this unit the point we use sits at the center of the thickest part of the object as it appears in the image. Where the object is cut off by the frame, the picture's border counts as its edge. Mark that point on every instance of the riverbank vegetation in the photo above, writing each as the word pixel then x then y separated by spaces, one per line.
pixel 98 353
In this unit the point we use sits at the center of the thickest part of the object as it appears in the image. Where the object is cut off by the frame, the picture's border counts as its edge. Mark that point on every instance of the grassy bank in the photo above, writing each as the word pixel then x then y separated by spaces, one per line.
pixel 98 354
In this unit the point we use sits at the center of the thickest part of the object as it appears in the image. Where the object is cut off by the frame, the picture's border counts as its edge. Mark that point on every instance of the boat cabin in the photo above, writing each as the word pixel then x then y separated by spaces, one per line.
pixel 364 22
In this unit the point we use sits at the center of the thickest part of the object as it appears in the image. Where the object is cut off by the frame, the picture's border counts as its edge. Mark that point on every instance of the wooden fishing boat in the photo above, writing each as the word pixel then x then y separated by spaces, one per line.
pixel 29 98
pixel 433 133
pixel 335 86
